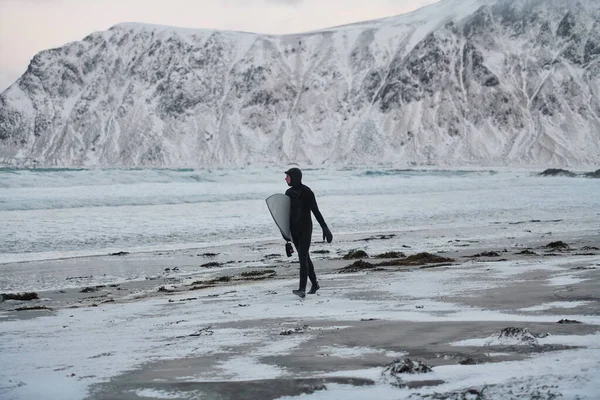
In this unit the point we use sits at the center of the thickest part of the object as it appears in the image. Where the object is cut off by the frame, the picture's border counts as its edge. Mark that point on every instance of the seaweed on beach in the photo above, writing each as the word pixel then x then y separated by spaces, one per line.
pixel 199 286
pixel 469 361
pixel 120 253
pixel 558 245
pixel 470 394
pixel 27 296
pixel 416 259
pixel 391 254
pixel 210 283
pixel 377 237
pixel 420 259
pixel 354 254
pixel 357 267
pixel 392 371
pixel 33 308
pixel 221 279
pixel 212 264
pixel 202 332
pixel 297 330
pixel 514 336
pixel 259 275
pixel 486 254
pixel 258 272
pixel 408 366
pixel 528 252
pixel 208 254
pixel 89 289
pixel 70 278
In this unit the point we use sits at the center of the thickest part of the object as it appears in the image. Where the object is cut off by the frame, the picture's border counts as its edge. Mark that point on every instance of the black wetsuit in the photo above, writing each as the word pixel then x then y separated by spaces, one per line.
pixel 303 202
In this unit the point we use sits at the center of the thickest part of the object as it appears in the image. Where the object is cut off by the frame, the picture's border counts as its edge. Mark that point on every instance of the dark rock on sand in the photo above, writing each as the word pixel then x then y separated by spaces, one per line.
pixel 569 321
pixel 27 296
pixel 557 172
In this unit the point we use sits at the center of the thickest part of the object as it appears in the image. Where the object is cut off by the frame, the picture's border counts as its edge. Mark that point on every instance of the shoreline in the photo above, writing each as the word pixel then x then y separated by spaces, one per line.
pixel 454 239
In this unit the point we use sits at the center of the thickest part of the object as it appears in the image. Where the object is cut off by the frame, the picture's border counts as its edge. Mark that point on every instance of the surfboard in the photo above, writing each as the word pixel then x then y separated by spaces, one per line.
pixel 279 206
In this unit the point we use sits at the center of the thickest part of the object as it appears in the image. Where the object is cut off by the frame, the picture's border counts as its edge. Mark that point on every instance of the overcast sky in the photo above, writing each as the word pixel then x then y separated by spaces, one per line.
pixel 29 26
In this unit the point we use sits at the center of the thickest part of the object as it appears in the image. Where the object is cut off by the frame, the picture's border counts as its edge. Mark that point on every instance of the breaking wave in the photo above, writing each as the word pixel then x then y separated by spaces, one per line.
pixel 66 177
pixel 426 172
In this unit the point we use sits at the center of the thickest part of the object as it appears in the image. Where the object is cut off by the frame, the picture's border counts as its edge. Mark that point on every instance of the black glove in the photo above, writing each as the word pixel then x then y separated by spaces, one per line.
pixel 289 250
pixel 327 234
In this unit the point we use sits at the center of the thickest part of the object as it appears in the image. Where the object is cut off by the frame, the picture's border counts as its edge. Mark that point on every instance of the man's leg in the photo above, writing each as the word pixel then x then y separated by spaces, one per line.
pixel 311 272
pixel 313 277
pixel 302 243
pixel 304 266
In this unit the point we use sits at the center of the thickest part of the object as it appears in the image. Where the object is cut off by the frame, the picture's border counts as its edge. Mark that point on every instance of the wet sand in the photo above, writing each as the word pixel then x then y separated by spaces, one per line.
pixel 312 363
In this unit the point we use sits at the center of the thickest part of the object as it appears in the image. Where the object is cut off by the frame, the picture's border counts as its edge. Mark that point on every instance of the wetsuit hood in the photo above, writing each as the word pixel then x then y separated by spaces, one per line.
pixel 296 177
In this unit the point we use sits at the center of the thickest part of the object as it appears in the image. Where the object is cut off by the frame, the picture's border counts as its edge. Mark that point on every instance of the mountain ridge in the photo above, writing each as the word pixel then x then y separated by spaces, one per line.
pixel 476 82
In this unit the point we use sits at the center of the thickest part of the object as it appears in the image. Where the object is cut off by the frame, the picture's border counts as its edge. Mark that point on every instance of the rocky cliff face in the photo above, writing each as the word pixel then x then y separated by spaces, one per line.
pixel 461 82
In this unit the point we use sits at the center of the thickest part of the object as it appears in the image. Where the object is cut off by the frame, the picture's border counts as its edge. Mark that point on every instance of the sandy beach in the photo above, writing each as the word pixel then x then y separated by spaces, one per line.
pixel 506 311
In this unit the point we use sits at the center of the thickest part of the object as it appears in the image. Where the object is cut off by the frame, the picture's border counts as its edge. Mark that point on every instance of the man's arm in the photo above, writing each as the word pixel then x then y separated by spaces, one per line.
pixel 315 210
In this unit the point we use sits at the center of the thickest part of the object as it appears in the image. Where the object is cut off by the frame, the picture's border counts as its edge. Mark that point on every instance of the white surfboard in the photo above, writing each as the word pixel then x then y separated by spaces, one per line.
pixel 279 206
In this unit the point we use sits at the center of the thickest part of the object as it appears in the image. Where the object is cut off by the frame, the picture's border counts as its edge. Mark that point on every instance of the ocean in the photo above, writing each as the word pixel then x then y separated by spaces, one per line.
pixel 50 214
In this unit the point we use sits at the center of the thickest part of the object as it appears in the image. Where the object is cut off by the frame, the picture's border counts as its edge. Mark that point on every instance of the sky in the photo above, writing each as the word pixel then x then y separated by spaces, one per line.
pixel 29 26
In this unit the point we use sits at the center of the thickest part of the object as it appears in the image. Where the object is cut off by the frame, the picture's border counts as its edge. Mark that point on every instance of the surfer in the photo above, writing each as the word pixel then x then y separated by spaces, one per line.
pixel 303 202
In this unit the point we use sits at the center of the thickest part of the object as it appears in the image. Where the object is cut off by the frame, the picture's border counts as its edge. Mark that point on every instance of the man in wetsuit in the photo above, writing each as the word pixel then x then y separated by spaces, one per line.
pixel 303 202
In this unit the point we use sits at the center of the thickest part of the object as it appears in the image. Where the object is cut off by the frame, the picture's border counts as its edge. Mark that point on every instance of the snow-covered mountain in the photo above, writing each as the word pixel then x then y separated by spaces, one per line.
pixel 461 82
